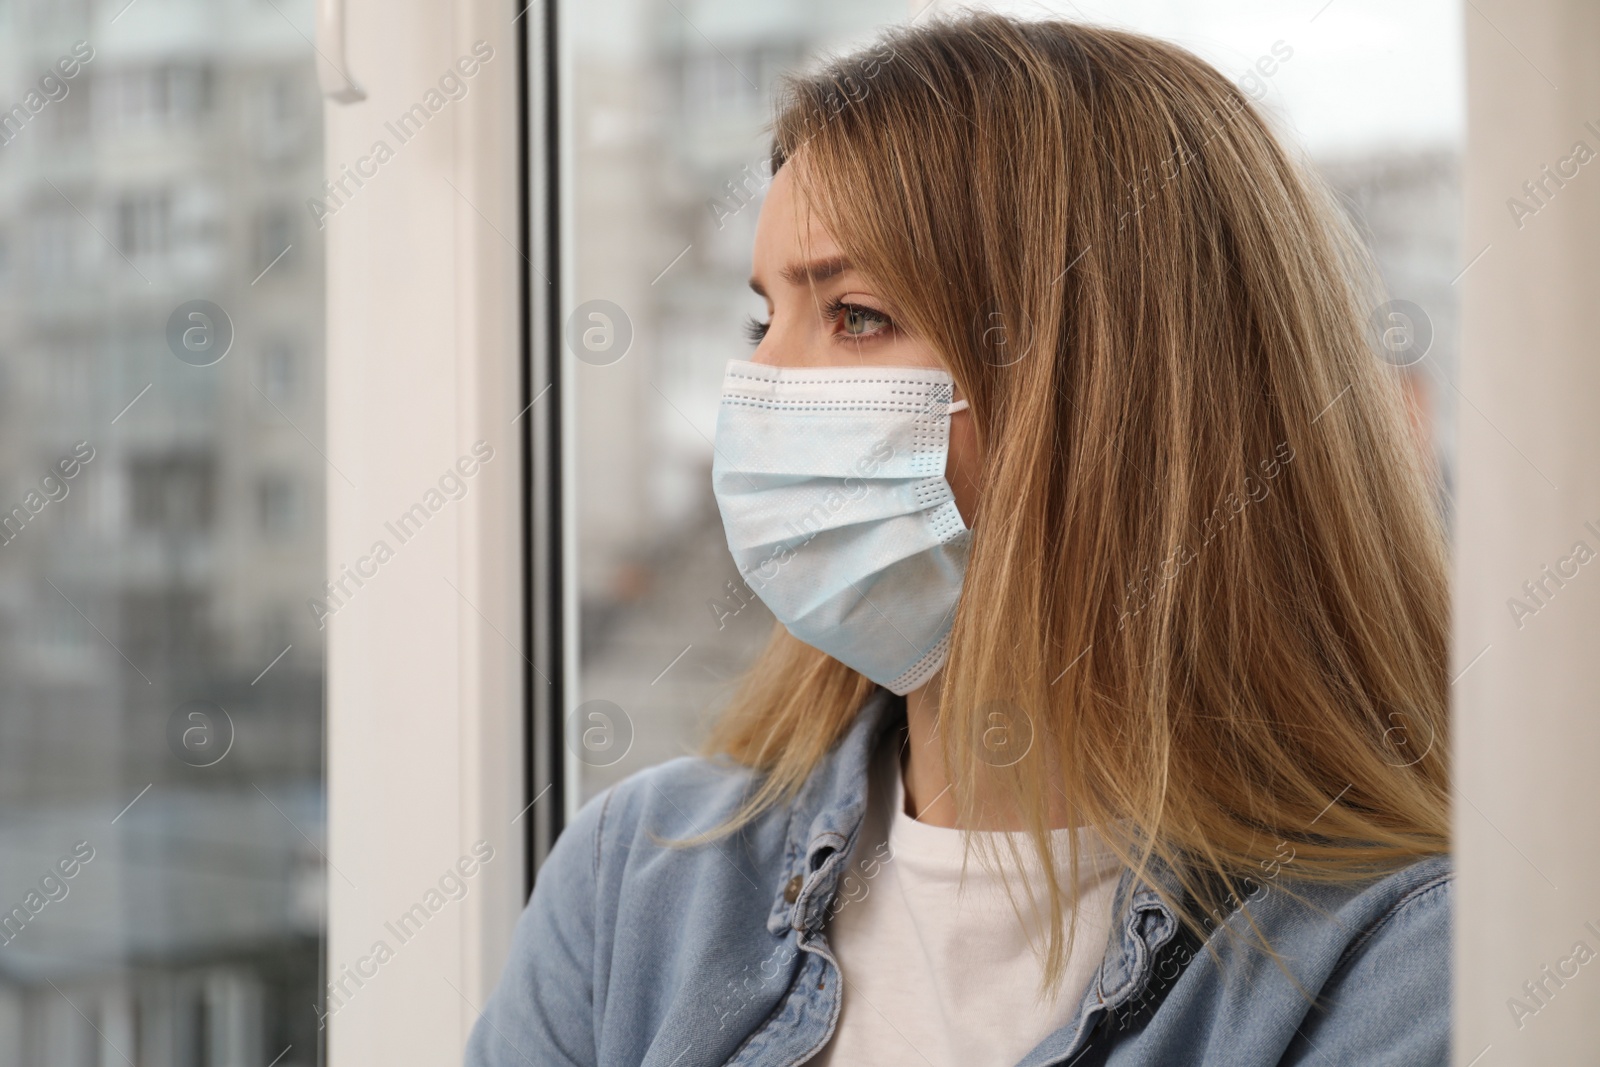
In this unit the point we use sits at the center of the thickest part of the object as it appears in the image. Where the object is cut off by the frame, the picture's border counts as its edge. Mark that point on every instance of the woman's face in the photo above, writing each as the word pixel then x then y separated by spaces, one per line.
pixel 822 312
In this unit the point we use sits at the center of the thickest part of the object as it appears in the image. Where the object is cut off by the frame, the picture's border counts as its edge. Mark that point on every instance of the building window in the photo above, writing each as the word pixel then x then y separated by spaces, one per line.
pixel 159 95
pixel 280 375
pixel 283 129
pixel 274 234
pixel 54 242
pixel 279 503
pixel 173 493
pixel 144 224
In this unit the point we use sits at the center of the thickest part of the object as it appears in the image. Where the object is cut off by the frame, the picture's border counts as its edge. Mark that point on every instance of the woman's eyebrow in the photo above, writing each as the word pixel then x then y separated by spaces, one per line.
pixel 800 273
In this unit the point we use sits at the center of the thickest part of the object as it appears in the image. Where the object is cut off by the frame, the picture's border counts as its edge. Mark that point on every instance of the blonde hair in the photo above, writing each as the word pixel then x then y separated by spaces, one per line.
pixel 1206 574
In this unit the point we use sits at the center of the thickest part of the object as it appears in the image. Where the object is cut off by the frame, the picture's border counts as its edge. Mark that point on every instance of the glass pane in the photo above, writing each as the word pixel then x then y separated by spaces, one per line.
pixel 161 529
pixel 667 144
pixel 668 156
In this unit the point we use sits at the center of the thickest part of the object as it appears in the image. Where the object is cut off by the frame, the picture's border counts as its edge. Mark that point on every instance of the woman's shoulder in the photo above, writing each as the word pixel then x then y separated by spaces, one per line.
pixel 678 798
pixel 1418 894
pixel 1397 941
pixel 592 932
pixel 1361 914
pixel 1386 994
pixel 1328 926
pixel 1339 923
pixel 645 816
pixel 1358 972
pixel 1376 953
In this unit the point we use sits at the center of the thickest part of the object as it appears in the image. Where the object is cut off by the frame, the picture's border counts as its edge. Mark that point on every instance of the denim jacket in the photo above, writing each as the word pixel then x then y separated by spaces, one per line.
pixel 632 952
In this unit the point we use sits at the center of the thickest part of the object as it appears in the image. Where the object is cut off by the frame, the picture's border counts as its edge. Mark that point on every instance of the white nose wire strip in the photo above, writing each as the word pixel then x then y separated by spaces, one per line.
pixel 959 405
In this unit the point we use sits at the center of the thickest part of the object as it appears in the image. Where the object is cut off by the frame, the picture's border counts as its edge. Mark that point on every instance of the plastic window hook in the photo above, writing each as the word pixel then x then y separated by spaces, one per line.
pixel 333 66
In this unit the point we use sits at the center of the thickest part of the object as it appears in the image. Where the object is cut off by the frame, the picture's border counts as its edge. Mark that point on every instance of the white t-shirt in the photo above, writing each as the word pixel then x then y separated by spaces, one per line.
pixel 933 976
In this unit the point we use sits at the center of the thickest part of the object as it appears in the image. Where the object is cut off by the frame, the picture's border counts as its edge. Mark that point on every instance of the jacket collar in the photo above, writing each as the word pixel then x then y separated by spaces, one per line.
pixel 1147 924
pixel 827 815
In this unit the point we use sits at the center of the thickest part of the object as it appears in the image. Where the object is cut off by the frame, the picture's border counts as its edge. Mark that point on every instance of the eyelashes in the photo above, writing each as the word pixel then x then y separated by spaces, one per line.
pixel 835 308
pixel 755 331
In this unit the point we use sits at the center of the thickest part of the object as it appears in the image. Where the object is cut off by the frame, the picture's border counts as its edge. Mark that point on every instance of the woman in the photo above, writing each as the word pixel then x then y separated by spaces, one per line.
pixel 1107 719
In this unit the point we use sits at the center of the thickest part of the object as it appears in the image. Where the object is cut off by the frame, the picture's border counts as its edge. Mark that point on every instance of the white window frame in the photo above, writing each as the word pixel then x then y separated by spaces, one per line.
pixel 1526 737
pixel 427 668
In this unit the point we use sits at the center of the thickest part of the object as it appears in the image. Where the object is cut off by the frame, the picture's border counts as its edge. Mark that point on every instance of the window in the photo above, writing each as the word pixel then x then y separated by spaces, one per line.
pixel 69 373
pixel 160 95
pixel 55 243
pixel 662 211
pixel 662 220
pixel 280 506
pixel 161 788
pixel 283 127
pixel 279 373
pixel 273 236
pixel 144 224
pixel 67 119
pixel 173 493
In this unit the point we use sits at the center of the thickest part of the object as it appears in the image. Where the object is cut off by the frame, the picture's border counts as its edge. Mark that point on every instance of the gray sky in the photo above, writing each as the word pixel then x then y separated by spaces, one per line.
pixel 1364 73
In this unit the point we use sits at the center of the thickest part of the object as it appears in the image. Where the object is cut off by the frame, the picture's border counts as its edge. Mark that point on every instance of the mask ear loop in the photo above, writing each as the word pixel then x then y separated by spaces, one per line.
pixel 959 405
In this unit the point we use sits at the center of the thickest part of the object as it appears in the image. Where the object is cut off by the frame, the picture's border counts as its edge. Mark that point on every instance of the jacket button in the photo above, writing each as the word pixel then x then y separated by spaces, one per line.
pixel 791 891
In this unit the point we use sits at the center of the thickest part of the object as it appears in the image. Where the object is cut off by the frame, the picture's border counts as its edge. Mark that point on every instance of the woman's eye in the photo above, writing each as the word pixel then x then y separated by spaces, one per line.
pixel 860 320
pixel 857 321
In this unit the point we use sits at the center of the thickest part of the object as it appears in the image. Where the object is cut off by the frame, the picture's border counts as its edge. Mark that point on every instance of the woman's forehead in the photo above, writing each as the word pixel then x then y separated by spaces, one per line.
pixel 787 229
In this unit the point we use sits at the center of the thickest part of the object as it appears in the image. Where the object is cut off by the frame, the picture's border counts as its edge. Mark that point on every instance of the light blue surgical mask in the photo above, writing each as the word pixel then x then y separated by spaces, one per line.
pixel 831 485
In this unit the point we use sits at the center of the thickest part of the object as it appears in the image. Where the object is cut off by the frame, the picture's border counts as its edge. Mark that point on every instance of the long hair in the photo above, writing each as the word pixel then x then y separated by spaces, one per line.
pixel 1206 599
